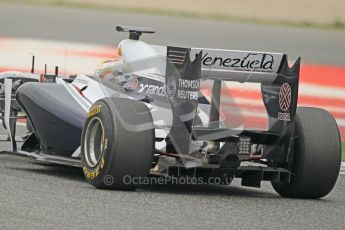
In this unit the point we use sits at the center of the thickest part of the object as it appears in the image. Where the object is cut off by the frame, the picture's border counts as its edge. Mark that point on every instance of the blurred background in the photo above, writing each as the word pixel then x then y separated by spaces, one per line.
pixel 78 34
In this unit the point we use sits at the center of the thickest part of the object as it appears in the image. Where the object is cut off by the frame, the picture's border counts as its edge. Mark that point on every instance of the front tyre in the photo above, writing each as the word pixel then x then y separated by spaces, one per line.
pixel 117 143
pixel 316 155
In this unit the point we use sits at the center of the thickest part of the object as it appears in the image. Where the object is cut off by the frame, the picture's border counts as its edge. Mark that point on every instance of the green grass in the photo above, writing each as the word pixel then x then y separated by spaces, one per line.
pixel 336 25
pixel 343 155
pixel 339 24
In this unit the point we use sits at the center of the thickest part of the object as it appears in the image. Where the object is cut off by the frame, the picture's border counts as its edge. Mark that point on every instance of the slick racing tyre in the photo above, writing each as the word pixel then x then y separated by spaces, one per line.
pixel 316 155
pixel 117 143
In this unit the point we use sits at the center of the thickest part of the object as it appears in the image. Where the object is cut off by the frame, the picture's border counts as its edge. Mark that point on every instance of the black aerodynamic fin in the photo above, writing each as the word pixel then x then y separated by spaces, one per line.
pixel 281 95
pixel 280 99
pixel 134 31
pixel 182 88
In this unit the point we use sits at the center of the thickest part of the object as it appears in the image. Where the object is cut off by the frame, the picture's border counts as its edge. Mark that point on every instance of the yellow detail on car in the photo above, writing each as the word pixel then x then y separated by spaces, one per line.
pixel 102 162
pixel 92 174
pixel 94 110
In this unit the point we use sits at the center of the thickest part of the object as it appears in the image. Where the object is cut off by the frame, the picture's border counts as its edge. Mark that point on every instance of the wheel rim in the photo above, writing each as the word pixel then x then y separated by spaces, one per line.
pixel 94 142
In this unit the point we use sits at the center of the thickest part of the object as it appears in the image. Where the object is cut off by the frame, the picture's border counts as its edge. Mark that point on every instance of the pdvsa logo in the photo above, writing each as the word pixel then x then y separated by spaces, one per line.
pixel 285 97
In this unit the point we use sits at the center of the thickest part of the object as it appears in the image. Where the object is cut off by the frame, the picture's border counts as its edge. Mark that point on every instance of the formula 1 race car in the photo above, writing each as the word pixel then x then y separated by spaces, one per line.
pixel 144 115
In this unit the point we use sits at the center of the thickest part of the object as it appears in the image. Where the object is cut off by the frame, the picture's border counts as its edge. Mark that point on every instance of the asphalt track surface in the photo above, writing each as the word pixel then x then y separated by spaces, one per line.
pixel 34 196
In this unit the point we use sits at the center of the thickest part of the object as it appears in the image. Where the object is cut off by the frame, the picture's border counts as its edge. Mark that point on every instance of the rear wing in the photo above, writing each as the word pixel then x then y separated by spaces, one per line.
pixel 279 87
pixel 242 66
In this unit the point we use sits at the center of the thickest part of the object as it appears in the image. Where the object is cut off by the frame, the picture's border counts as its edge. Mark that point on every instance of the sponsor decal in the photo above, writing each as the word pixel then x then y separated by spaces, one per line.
pixel 152 89
pixel 94 110
pixel 284 102
pixel 188 89
pixel 285 97
pixel 184 89
pixel 257 62
pixel 93 173
pixel 171 88
pixel 284 116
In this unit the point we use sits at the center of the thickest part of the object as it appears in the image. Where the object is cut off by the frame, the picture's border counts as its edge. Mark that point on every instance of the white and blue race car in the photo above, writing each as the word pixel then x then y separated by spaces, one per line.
pixel 145 115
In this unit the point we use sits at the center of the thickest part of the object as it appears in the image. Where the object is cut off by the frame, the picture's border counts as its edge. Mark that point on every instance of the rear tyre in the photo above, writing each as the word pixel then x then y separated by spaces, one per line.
pixel 117 143
pixel 316 155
